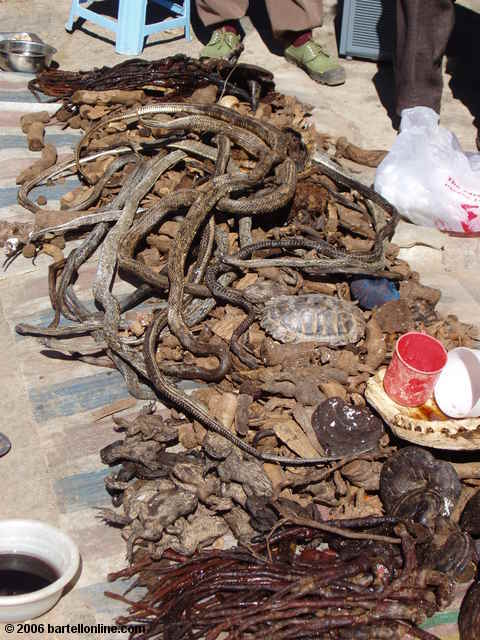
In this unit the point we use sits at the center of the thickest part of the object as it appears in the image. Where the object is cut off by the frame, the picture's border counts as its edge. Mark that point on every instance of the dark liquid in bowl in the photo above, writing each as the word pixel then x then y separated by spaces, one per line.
pixel 21 573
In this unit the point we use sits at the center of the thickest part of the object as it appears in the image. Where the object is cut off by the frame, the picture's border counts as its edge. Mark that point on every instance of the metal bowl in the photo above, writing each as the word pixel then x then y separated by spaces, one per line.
pixel 25 56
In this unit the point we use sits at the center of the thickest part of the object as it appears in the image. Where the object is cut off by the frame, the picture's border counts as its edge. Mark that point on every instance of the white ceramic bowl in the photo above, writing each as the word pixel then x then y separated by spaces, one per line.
pixel 457 391
pixel 38 539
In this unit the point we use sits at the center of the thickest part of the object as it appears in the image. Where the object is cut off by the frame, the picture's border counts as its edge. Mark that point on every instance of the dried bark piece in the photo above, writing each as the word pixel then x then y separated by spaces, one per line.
pixel 367 157
pixel 28 119
pixel 225 328
pixel 112 140
pixel 113 96
pixel 375 344
pixel 36 136
pixel 136 328
pixel 357 399
pixel 340 484
pixel 354 221
pixel 275 473
pixel 363 473
pixel 151 427
pixel 394 316
pixel 327 288
pixel 282 388
pixel 150 256
pixel 333 389
pixel 302 499
pixel 290 433
pixel 307 392
pixel 356 244
pixel 303 416
pixel 47 160
pixel 75 196
pixel 58 241
pixel 324 493
pixel 114 407
pixel 224 408
pixel 412 290
pixel 53 251
pixel 345 360
pixel 187 436
pixel 93 113
pixel 200 431
pixel 77 122
pixel 273 353
pixel 403 268
pixel 332 219
pixel 345 430
pixel 246 281
pixel 205 95
pixel 29 250
pixel 241 414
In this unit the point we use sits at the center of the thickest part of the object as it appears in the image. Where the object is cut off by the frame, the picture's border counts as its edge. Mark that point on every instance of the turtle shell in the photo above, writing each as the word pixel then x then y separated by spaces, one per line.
pixel 313 318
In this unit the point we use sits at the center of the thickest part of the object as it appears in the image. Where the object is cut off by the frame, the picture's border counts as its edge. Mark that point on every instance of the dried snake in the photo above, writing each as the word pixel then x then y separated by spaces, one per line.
pixel 269 147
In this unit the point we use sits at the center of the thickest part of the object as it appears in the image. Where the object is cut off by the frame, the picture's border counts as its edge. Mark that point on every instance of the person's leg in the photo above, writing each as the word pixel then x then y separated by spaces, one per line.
pixel 212 12
pixel 224 13
pixel 423 30
pixel 294 15
pixel 292 21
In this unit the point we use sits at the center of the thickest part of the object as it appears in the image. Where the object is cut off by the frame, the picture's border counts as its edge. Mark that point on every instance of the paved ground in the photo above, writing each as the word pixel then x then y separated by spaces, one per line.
pixel 47 406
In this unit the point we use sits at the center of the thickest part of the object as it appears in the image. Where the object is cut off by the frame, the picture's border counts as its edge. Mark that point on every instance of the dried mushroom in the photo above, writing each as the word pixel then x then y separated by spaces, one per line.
pixel 469 618
pixel 413 484
pixel 344 430
pixel 470 519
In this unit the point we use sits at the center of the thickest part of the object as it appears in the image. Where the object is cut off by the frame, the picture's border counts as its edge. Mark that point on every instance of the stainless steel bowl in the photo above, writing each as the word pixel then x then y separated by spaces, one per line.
pixel 25 56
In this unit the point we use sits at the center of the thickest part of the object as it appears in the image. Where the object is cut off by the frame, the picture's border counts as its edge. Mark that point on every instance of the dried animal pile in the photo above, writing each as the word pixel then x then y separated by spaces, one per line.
pixel 168 77
pixel 287 588
pixel 251 268
pixel 304 576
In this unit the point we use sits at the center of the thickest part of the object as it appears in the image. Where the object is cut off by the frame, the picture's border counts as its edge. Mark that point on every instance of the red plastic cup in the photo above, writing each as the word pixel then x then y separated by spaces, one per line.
pixel 414 369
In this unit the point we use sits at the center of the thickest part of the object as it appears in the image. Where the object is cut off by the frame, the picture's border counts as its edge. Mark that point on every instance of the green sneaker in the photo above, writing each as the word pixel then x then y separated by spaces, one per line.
pixel 319 65
pixel 223 44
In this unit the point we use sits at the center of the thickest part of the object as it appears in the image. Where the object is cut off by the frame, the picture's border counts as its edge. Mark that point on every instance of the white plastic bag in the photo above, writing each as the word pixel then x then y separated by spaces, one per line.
pixel 428 177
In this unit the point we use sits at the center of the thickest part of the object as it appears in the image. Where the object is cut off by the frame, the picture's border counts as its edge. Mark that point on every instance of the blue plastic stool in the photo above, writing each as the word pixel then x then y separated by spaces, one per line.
pixel 130 28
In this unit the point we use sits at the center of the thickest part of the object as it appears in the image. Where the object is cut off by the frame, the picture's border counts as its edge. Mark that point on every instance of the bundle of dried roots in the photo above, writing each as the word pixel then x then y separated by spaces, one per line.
pixel 286 588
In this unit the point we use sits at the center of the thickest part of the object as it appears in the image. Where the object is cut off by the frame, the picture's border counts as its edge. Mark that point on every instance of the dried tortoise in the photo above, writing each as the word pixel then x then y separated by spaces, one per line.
pixel 313 318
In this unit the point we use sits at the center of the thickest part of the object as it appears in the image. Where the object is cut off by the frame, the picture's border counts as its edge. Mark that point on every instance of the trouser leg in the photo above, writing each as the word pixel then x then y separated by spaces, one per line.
pixel 213 12
pixel 423 30
pixel 294 15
